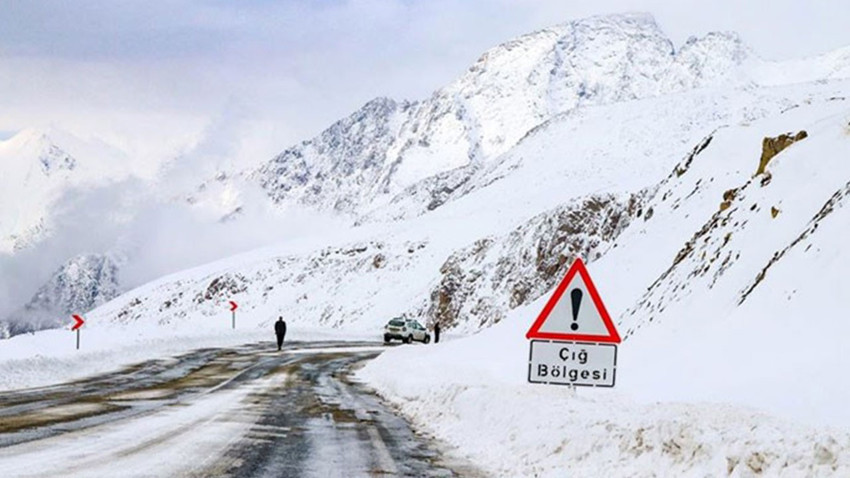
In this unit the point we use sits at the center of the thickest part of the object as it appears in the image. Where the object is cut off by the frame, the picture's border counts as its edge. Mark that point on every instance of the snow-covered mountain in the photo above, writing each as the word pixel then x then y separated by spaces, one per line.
pixel 81 284
pixel 412 154
pixel 38 167
pixel 387 146
pixel 471 203
pixel 705 188
pixel 468 200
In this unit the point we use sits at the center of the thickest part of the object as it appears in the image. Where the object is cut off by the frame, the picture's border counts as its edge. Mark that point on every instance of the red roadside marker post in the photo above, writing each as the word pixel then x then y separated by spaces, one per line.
pixel 79 321
pixel 233 307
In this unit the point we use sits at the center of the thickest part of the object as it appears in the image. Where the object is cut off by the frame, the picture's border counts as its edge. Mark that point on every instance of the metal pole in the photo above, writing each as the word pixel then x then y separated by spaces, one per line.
pixel 234 319
pixel 78 339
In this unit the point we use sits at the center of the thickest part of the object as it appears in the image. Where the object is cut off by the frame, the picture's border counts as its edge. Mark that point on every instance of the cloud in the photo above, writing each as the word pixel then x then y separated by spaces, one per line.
pixel 150 231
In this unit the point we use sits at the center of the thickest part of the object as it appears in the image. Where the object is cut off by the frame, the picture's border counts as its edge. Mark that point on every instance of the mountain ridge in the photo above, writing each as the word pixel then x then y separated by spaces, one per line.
pixel 485 112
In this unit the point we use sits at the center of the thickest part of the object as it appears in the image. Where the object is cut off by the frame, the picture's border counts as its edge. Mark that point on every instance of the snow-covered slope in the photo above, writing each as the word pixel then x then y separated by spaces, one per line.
pixel 559 193
pixel 729 292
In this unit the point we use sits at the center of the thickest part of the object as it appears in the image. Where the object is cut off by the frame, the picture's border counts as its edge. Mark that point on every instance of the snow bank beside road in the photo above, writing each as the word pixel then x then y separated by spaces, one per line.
pixel 472 394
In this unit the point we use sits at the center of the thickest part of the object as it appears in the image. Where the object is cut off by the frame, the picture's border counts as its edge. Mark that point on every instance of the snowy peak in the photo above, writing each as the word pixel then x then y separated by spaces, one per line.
pixel 35 149
pixel 53 150
pixel 366 160
pixel 38 167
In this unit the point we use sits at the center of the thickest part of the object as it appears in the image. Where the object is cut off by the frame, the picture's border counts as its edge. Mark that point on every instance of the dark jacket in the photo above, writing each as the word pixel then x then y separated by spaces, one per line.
pixel 280 327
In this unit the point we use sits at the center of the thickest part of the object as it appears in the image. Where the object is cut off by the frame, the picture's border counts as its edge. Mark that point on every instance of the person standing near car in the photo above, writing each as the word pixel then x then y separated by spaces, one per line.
pixel 436 332
pixel 280 331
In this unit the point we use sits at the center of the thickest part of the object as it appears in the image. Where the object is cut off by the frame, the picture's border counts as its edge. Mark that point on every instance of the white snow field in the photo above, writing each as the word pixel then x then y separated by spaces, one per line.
pixel 728 286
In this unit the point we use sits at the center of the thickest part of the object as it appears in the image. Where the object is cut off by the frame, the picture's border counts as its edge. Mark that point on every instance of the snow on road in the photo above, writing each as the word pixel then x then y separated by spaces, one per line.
pixel 169 440
pixel 242 411
pixel 172 442
pixel 50 357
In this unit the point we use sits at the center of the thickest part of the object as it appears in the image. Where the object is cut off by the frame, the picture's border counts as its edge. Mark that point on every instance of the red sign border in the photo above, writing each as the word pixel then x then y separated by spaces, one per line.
pixel 577 268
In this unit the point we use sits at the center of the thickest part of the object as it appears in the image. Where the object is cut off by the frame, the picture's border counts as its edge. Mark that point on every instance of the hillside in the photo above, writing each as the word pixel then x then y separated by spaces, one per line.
pixel 514 232
pixel 728 294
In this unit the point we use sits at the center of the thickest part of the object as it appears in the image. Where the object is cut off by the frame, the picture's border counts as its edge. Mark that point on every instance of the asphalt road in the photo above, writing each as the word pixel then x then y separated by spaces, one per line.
pixel 241 412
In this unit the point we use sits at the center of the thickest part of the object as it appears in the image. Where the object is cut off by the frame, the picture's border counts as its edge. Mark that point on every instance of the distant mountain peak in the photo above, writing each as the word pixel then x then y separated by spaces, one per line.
pixel 386 146
pixel 37 146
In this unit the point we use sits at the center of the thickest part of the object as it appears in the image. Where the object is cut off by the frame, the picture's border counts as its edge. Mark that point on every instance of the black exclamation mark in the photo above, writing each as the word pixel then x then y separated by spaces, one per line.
pixel 575 295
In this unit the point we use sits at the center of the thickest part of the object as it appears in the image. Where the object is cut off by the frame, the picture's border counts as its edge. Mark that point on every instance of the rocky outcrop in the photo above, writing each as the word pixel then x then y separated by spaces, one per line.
pixel 770 147
pixel 480 283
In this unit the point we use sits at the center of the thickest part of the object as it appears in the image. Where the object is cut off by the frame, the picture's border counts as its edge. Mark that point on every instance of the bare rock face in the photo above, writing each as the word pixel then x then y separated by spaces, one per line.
pixel 222 288
pixel 770 147
pixel 493 275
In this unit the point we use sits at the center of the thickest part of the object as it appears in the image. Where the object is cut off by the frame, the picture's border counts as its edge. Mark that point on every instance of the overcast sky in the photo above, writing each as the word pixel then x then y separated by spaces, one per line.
pixel 145 73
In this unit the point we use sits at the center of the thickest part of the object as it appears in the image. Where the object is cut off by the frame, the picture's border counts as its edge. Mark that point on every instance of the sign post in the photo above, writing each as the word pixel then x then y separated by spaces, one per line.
pixel 79 321
pixel 574 342
pixel 233 307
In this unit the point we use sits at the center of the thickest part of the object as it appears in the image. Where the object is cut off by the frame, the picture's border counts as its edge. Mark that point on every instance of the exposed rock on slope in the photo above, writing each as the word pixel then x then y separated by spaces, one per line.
pixel 482 282
pixel 478 284
pixel 290 285
pixel 347 157
pixel 773 146
pixel 730 254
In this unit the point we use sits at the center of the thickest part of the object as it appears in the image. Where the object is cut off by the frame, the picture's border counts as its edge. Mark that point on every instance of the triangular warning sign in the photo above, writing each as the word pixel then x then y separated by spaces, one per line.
pixel 575 312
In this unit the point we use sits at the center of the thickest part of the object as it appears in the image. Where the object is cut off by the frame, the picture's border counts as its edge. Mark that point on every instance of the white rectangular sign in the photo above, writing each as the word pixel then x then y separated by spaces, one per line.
pixel 572 363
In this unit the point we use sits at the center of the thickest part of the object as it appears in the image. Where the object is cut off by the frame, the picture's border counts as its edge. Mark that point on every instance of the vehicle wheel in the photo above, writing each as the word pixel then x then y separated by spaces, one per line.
pixel 427 339
pixel 387 339
pixel 408 339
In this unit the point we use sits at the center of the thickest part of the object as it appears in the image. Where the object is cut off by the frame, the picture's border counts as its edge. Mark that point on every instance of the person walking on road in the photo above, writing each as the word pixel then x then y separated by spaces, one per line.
pixel 436 332
pixel 280 331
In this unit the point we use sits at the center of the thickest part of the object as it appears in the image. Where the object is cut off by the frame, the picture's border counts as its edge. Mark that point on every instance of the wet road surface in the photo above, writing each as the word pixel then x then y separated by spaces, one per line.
pixel 246 411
